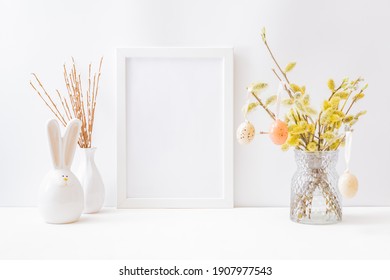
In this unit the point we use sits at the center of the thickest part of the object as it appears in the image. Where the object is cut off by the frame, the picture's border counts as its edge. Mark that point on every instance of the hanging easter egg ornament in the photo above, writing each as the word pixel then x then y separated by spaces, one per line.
pixel 348 183
pixel 278 131
pixel 245 132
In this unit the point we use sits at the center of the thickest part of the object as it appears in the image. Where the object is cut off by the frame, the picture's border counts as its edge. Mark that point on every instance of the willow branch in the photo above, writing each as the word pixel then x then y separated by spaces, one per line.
pixel 277 64
pixel 272 115
pixel 50 99
pixel 284 85
pixel 51 109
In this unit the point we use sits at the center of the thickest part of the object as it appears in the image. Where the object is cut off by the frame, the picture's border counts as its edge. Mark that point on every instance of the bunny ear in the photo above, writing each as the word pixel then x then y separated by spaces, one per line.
pixel 70 141
pixel 54 133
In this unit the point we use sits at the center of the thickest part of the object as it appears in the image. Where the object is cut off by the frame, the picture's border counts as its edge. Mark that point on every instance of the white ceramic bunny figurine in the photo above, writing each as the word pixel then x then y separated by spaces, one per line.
pixel 61 197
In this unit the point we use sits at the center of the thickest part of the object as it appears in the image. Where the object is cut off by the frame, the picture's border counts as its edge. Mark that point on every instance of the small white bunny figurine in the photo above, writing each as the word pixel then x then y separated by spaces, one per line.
pixel 61 197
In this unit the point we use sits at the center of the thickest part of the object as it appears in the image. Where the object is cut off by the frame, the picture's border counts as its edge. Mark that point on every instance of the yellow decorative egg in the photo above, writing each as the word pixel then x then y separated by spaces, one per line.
pixel 348 185
pixel 245 132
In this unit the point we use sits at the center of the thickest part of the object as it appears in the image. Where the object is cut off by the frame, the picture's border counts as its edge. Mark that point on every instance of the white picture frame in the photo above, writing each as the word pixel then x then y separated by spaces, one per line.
pixel 176 73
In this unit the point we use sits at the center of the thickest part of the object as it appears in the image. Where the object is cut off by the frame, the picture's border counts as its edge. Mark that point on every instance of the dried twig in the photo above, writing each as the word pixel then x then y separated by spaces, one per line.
pixel 74 104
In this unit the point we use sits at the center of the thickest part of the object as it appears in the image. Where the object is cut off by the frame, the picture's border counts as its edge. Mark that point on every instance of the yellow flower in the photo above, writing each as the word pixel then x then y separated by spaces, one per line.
pixel 293 140
pixel 295 88
pixel 348 119
pixel 290 115
pixel 335 145
pixel 311 128
pixel 358 96
pixel 289 67
pixel 361 113
pixel 303 123
pixel 326 115
pixel 285 147
pixel 249 107
pixel 335 101
pixel 334 118
pixel 328 136
pixel 298 95
pixel 256 87
pixel 312 146
pixel 288 101
pixel 271 100
pixel 299 106
pixel 263 35
pixel 339 113
pixel 326 105
pixel 342 94
pixel 353 122
pixel 300 128
pixel 306 100
pixel 331 85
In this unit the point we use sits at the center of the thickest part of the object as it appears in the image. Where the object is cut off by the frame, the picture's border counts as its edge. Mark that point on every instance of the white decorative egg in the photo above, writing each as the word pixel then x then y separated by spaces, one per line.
pixel 348 185
pixel 245 132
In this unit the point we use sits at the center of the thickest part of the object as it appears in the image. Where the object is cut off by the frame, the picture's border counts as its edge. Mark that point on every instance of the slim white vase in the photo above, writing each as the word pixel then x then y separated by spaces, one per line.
pixel 91 181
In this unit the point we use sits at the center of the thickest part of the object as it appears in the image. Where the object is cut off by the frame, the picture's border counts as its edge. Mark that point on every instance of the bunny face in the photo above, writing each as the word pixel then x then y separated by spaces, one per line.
pixel 62 178
pixel 61 198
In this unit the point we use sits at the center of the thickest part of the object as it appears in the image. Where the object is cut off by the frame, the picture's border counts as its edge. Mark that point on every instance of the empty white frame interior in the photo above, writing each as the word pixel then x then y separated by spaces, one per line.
pixel 175 117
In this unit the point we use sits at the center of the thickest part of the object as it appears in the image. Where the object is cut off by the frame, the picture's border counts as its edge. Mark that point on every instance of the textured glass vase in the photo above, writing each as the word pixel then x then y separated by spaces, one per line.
pixel 315 198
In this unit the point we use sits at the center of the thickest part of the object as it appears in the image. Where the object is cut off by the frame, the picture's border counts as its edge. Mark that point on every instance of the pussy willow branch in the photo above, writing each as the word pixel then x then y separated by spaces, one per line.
pixel 274 59
pixel 334 91
pixel 342 140
pixel 50 106
pixel 51 102
pixel 322 144
pixel 352 103
pixel 74 104
pixel 284 85
pixel 346 100
pixel 318 122
pixel 272 115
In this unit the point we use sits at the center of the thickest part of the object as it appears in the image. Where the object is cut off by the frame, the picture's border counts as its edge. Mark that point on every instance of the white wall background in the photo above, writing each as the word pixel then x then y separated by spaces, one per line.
pixel 327 38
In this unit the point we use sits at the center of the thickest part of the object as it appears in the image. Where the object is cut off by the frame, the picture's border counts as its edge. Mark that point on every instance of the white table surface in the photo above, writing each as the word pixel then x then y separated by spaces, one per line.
pixel 240 233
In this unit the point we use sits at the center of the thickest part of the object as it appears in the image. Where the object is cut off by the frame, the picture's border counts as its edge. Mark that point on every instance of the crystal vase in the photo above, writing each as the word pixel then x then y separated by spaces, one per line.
pixel 315 198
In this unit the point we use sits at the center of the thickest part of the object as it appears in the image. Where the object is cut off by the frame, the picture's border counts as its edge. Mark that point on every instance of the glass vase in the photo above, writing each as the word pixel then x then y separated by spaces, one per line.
pixel 315 198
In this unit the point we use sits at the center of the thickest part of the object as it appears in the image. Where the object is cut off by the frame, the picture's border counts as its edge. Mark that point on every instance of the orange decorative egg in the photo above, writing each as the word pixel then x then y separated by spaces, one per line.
pixel 278 132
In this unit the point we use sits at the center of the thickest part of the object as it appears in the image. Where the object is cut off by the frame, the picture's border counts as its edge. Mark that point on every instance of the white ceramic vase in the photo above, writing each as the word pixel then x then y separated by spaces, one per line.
pixel 91 181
